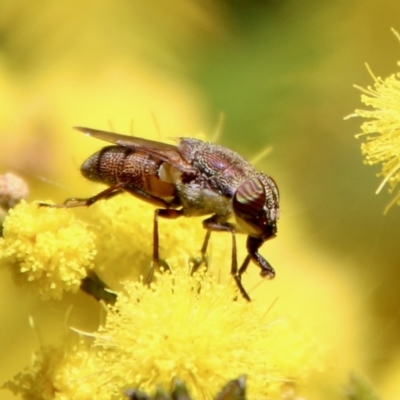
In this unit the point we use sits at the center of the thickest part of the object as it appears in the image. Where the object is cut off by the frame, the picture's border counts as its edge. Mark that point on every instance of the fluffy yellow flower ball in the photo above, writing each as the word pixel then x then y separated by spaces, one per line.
pixel 46 248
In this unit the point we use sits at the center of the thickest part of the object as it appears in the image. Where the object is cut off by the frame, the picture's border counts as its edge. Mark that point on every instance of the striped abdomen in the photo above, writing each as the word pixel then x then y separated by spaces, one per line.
pixel 136 169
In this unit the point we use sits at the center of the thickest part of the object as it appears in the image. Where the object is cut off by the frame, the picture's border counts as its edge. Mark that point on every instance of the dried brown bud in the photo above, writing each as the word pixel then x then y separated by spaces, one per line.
pixel 12 190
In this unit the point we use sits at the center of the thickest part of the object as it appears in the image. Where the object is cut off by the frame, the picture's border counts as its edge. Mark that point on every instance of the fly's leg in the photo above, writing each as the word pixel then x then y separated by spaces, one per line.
pixel 163 213
pixel 73 202
pixel 212 224
pixel 237 274
pixel 197 262
pixel 120 188
pixel 244 266
pixel 253 244
pixel 92 284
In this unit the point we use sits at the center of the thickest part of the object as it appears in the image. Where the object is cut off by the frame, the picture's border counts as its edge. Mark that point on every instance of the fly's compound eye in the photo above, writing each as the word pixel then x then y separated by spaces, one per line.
pixel 250 208
pixel 249 199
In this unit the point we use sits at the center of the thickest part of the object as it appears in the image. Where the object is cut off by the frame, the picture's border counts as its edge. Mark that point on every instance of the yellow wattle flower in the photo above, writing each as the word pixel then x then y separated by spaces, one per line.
pixel 382 129
pixel 194 328
pixel 47 249
pixel 124 235
pixel 183 327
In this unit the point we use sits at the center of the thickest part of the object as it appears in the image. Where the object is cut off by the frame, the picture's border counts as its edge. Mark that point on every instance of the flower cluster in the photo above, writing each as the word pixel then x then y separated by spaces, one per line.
pixel 382 129
pixel 181 327
pixel 194 328
pixel 47 249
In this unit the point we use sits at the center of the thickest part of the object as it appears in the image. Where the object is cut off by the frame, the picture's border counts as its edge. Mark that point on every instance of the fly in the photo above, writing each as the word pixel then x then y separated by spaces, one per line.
pixel 191 178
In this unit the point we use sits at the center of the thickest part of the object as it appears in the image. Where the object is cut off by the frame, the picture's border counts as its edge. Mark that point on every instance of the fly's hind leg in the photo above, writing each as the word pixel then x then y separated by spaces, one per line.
pixel 74 202
pixel 92 284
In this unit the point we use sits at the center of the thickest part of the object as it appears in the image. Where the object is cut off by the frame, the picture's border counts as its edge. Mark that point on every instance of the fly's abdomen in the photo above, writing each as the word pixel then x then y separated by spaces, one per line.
pixel 104 166
pixel 135 169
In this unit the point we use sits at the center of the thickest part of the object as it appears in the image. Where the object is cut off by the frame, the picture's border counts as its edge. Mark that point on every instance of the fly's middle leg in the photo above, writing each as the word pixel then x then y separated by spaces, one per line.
pixel 212 224
pixel 196 262
pixel 168 213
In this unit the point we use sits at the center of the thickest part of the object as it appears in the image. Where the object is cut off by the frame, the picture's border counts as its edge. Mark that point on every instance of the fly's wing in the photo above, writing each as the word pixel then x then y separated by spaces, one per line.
pixel 127 141
pixel 163 151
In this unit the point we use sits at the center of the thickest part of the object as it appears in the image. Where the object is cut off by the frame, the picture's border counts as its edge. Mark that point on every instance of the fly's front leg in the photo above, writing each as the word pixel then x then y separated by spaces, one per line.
pixel 163 213
pixel 244 266
pixel 253 244
pixel 211 224
pixel 73 202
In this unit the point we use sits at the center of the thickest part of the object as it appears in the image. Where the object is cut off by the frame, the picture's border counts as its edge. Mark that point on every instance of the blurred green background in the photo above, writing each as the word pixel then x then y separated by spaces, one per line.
pixel 282 72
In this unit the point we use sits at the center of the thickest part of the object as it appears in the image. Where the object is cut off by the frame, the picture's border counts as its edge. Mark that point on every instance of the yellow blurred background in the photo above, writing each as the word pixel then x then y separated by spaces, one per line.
pixel 282 74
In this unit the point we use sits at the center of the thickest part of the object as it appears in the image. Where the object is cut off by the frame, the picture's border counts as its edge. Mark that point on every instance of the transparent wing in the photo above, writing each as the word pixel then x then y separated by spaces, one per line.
pixel 164 151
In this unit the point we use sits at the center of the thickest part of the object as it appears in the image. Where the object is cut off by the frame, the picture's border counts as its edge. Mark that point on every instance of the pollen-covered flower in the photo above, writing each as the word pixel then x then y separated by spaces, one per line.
pixel 382 129
pixel 182 327
pixel 46 248
pixel 124 236
pixel 55 373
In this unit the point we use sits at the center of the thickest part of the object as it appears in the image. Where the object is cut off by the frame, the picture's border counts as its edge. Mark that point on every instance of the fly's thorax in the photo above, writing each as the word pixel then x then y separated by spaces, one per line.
pixel 195 193
pixel 222 166
pixel 198 200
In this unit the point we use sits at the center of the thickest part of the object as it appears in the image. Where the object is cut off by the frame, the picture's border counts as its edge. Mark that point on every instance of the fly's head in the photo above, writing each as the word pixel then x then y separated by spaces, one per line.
pixel 255 206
